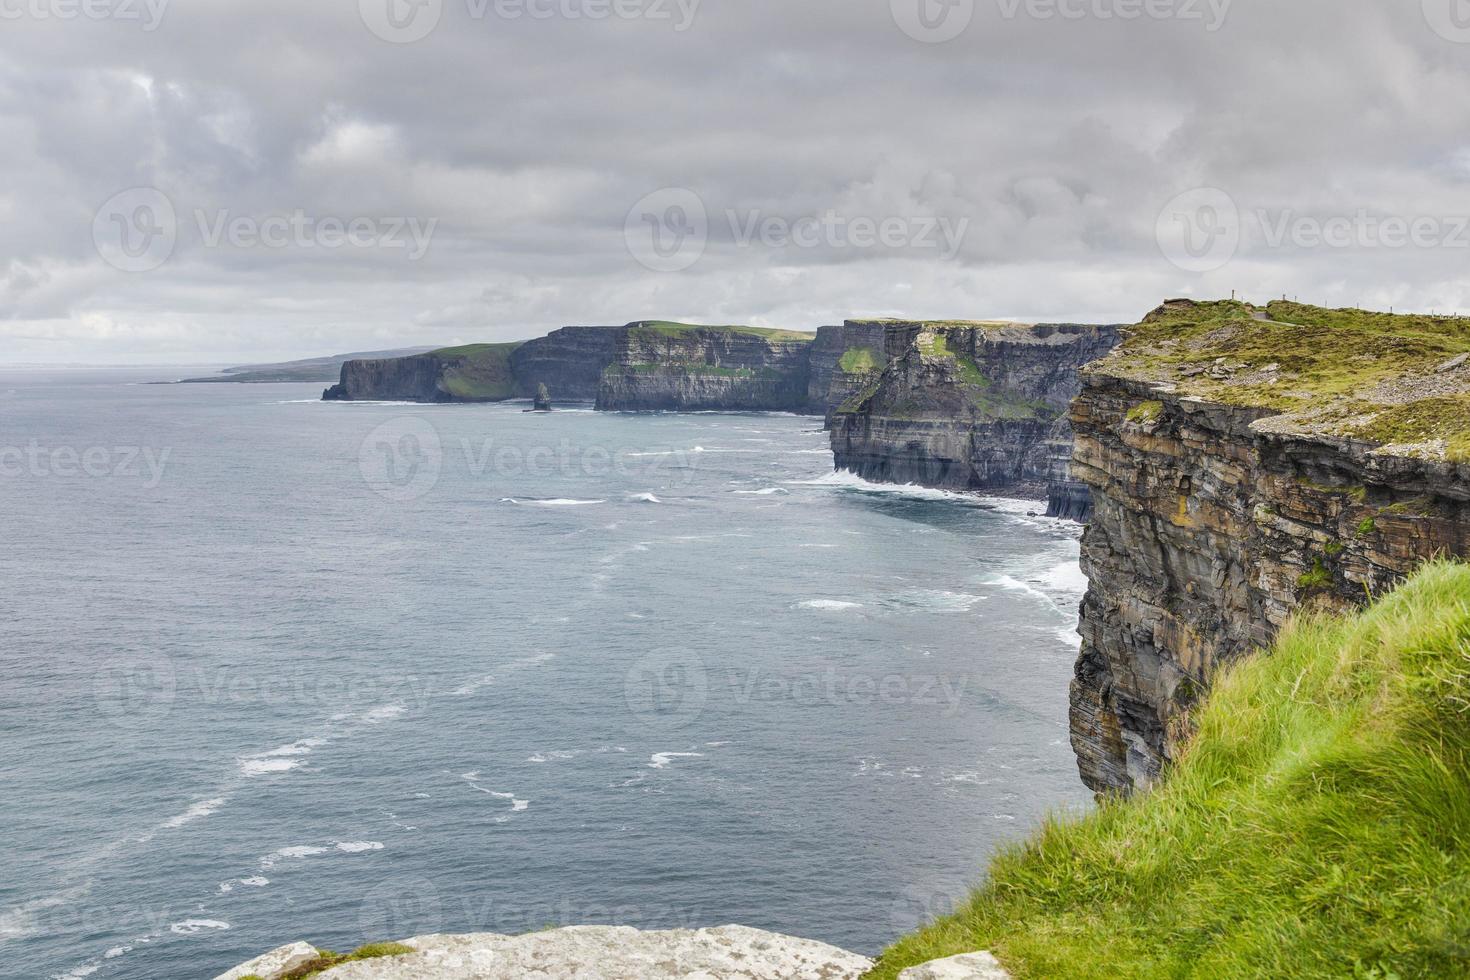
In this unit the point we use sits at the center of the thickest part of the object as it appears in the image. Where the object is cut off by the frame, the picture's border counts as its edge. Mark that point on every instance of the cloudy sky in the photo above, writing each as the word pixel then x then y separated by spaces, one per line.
pixel 227 180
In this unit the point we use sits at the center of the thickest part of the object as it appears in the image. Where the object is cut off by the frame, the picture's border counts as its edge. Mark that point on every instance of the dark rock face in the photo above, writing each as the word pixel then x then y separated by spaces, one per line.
pixel 542 402
pixel 1210 529
pixel 842 362
pixel 569 361
pixel 704 369
pixel 477 373
pixel 413 379
pixel 971 407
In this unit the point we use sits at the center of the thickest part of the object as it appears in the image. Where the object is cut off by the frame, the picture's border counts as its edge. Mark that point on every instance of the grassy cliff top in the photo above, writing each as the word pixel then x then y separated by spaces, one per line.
pixel 478 350
pixel 481 372
pixel 671 328
pixel 1385 378
pixel 1318 824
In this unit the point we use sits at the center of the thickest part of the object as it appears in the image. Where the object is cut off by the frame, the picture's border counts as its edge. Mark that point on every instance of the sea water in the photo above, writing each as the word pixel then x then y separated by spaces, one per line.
pixel 279 669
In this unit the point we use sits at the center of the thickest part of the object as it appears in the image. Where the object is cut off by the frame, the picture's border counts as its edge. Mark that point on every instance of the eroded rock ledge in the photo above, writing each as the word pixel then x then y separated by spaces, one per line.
pixel 1245 463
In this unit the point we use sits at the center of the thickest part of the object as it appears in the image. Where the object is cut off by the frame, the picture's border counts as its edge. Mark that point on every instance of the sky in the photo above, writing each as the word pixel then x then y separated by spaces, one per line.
pixel 222 181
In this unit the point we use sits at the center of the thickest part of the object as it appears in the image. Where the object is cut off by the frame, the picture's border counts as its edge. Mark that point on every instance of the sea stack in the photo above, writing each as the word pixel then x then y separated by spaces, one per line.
pixel 543 399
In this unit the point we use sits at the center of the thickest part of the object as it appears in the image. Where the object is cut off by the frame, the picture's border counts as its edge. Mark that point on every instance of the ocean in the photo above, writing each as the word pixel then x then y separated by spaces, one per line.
pixel 278 669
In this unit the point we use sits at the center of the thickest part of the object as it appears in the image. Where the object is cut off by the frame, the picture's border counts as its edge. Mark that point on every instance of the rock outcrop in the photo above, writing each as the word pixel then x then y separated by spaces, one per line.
pixel 569 361
pixel 592 953
pixel 971 406
pixel 476 373
pixel 1245 463
pixel 966 966
pixel 665 366
pixel 843 361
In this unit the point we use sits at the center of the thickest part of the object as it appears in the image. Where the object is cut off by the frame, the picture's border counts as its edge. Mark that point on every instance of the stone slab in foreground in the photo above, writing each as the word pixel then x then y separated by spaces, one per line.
pixel 967 966
pixel 595 953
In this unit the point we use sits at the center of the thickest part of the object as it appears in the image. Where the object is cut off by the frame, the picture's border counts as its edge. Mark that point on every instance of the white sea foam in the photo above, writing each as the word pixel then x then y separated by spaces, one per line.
pixel 644 498
pixel 519 805
pixel 387 712
pixel 829 605
pixel 845 480
pixel 196 812
pixel 289 854
pixel 358 846
pixel 251 766
pixel 555 502
pixel 190 926
pixel 766 492
pixel 661 760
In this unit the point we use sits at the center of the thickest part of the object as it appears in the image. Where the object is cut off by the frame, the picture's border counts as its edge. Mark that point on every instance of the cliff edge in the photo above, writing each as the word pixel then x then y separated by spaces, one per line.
pixel 1245 462
pixel 972 406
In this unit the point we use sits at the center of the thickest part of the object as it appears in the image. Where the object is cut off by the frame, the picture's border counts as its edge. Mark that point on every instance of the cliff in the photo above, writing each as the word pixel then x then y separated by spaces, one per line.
pixel 842 362
pixel 1244 463
pixel 569 361
pixel 644 366
pixel 971 406
pixel 663 366
pixel 476 373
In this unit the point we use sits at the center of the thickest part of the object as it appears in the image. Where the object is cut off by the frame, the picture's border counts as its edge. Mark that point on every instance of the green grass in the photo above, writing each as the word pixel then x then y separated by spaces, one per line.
pixel 1146 412
pixel 479 372
pixel 1325 362
pixel 860 360
pixel 1317 825
pixel 326 959
pixel 670 328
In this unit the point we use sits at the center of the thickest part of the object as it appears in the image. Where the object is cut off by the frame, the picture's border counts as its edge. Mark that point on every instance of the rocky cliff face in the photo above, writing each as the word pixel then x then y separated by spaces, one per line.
pixel 677 367
pixel 478 373
pixel 1244 464
pixel 569 361
pixel 842 362
pixel 971 406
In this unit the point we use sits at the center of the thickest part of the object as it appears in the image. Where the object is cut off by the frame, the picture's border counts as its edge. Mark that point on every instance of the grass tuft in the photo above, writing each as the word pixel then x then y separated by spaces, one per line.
pixel 1317 825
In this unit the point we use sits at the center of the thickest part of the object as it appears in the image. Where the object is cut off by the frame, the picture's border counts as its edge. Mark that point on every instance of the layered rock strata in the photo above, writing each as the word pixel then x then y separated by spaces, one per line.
pixel 972 406
pixel 1244 464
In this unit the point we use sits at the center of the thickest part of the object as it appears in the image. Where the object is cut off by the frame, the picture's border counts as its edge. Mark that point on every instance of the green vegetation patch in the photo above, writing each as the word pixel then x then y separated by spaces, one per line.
pixel 1292 358
pixel 478 372
pixel 860 360
pixel 670 328
pixel 1317 825
pixel 1146 412
pixel 326 959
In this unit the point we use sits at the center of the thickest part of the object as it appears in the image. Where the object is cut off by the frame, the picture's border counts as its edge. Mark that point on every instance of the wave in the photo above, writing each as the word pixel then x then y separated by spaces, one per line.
pixel 359 846
pixel 828 605
pixel 190 926
pixel 198 811
pixel 644 498
pixel 661 760
pixel 847 480
pixel 554 502
pixel 768 491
